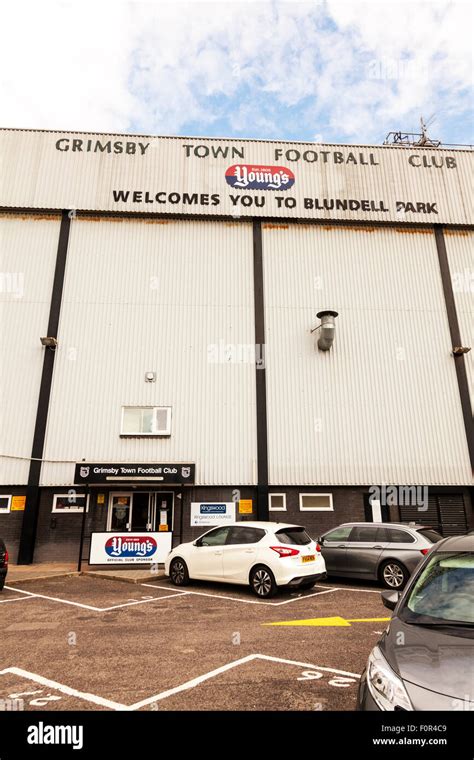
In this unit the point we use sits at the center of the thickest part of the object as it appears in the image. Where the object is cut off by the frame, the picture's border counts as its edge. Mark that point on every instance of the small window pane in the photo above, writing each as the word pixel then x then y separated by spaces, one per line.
pixel 68 503
pixel 316 501
pixel 4 503
pixel 161 419
pixel 146 421
pixel 131 420
pixel 277 502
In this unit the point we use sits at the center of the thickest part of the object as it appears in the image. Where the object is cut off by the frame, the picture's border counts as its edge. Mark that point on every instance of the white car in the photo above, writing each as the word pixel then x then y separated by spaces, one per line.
pixel 265 555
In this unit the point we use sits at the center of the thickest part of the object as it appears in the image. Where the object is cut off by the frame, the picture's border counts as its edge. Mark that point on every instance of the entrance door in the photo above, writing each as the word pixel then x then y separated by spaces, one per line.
pixel 119 511
pixel 140 511
pixel 164 510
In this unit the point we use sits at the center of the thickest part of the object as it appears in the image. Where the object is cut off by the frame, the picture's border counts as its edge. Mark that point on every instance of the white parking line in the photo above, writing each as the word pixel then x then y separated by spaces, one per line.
pixel 191 684
pixel 64 689
pixel 30 594
pixel 247 601
pixel 218 671
pixel 16 599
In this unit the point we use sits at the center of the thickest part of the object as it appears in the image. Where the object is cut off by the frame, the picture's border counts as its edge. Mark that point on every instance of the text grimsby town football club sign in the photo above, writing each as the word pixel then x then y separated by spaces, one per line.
pixel 171 473
pixel 234 178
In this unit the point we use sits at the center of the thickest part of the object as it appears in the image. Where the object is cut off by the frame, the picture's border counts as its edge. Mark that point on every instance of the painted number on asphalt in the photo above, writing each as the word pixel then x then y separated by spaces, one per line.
pixel 339 681
pixel 38 701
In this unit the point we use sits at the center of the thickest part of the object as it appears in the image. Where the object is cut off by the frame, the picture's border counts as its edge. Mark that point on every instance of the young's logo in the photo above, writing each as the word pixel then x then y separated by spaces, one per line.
pixel 251 177
pixel 125 546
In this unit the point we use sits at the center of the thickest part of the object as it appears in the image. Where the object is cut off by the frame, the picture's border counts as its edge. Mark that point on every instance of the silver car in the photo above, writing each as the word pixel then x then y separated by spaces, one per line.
pixel 388 552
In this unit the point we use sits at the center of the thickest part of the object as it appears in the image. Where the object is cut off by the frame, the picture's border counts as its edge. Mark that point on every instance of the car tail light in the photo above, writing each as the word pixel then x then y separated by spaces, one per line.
pixel 285 551
pixel 5 561
pixel 318 548
pixel 424 551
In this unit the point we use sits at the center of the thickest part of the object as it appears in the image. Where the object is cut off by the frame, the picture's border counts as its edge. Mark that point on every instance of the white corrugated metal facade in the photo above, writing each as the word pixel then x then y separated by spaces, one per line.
pixel 27 260
pixel 382 405
pixel 155 296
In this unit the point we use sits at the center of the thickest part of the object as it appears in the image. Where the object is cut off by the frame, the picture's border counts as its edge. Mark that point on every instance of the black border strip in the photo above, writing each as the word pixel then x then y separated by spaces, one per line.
pixel 455 332
pixel 30 515
pixel 260 373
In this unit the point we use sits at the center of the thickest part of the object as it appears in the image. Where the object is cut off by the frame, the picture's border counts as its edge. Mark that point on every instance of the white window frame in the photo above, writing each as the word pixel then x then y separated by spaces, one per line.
pixel 276 509
pixel 316 509
pixel 69 510
pixel 7 510
pixel 146 435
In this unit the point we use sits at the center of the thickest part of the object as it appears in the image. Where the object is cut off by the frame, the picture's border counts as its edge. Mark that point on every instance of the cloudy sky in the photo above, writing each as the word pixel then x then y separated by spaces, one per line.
pixel 332 71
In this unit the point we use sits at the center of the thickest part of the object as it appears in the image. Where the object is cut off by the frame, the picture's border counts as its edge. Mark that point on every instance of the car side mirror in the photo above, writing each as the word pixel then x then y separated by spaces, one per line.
pixel 197 542
pixel 390 599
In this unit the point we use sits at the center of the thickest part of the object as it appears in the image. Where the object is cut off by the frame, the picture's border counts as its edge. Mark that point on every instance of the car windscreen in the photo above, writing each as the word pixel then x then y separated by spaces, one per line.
pixel 293 536
pixel 443 592
pixel 431 535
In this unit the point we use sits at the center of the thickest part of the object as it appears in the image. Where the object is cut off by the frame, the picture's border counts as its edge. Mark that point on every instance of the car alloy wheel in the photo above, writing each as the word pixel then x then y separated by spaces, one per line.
pixel 393 575
pixel 262 582
pixel 179 572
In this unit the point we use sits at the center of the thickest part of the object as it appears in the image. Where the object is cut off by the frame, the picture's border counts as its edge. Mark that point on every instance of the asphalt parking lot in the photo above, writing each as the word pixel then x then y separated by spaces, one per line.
pixel 88 643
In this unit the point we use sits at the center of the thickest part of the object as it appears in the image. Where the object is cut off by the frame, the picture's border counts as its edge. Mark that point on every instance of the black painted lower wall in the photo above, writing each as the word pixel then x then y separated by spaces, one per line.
pixel 58 534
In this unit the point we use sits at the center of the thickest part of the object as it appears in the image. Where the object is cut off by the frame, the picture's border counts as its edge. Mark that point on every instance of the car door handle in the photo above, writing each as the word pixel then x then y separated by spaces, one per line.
pixel 342 546
pixel 249 551
pixel 219 552
pixel 377 547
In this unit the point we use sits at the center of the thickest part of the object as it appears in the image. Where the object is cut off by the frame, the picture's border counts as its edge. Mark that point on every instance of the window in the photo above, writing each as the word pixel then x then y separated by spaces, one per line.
pixel 146 420
pixel 362 533
pixel 277 502
pixel 245 535
pixel 338 534
pixel 430 535
pixel 5 503
pixel 395 536
pixel 316 502
pixel 295 535
pixel 69 502
pixel 216 537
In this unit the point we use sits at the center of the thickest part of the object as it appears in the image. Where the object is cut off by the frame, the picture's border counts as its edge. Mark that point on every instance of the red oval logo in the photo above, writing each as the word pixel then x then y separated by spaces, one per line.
pixel 252 177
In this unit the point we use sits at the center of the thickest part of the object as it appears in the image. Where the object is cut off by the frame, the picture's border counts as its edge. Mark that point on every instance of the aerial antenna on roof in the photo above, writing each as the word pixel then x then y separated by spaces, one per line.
pixel 418 139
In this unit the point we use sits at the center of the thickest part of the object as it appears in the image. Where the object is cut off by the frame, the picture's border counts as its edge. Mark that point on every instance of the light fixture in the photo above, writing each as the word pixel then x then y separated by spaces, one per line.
pixel 150 377
pixel 49 342
pixel 460 350
pixel 327 327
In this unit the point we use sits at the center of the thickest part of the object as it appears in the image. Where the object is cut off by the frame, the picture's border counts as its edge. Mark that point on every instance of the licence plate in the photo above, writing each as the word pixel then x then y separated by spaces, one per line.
pixel 308 558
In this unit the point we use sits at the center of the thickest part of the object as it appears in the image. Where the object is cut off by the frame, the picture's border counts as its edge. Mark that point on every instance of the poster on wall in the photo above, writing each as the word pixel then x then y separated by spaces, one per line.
pixel 129 548
pixel 212 513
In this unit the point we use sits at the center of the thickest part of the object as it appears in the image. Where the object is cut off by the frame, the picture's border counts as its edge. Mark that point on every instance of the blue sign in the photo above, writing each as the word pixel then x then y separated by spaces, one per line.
pixel 212 509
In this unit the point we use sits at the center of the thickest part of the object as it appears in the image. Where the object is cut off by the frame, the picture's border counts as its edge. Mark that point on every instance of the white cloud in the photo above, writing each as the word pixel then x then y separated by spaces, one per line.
pixel 345 70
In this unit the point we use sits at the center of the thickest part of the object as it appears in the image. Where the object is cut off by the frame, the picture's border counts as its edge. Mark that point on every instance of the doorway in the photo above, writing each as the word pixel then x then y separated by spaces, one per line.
pixel 140 511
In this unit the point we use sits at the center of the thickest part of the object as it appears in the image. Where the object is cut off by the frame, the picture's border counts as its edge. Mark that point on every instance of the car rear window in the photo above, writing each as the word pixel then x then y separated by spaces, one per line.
pixel 245 535
pixel 396 536
pixel 293 536
pixel 430 535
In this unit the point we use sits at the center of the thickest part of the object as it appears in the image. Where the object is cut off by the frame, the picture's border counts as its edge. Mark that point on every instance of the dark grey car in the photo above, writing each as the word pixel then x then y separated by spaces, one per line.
pixel 3 563
pixel 388 552
pixel 425 658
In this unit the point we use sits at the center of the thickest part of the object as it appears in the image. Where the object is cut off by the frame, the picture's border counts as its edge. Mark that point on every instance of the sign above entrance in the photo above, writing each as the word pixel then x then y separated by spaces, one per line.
pixel 148 472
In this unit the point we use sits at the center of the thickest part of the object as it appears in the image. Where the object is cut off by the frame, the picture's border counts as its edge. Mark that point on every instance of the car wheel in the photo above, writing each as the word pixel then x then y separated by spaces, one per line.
pixel 262 582
pixel 179 572
pixel 393 574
